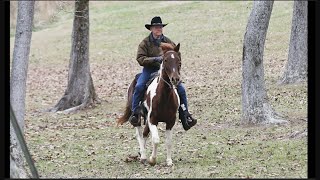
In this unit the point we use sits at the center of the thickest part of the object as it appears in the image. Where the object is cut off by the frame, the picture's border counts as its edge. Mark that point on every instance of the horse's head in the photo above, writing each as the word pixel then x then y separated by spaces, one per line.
pixel 171 62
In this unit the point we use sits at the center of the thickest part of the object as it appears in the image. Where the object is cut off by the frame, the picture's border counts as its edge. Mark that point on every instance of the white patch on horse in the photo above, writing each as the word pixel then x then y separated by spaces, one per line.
pixel 146 104
pixel 160 70
pixel 172 56
pixel 176 92
pixel 153 128
pixel 152 90
pixel 174 69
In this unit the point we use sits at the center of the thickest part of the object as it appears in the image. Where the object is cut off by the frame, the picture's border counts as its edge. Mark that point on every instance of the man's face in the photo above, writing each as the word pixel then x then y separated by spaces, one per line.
pixel 156 30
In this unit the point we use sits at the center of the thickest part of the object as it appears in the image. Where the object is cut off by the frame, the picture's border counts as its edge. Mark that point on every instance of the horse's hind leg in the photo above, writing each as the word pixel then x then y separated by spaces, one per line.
pixel 142 143
pixel 169 146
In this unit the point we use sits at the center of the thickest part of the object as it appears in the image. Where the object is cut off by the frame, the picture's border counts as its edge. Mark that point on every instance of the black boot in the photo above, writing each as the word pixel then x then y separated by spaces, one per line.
pixel 134 118
pixel 187 120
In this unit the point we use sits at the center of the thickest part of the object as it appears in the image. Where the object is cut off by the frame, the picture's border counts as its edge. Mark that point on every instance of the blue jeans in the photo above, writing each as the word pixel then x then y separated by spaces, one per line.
pixel 140 89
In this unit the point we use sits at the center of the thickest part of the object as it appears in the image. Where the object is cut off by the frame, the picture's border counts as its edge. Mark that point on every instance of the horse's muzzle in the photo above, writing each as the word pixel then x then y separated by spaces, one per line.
pixel 175 81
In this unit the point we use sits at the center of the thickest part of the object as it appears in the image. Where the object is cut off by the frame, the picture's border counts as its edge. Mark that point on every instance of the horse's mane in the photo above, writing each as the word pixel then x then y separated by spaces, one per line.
pixel 166 47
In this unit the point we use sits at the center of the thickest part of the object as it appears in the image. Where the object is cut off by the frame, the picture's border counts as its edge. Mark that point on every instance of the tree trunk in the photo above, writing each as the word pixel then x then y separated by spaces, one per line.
pixel 80 92
pixel 17 165
pixel 18 82
pixel 16 170
pixel 255 105
pixel 297 66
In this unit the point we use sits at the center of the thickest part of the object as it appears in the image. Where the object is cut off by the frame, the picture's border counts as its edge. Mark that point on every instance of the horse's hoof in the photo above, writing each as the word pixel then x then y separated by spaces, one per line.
pixel 169 163
pixel 143 161
pixel 152 161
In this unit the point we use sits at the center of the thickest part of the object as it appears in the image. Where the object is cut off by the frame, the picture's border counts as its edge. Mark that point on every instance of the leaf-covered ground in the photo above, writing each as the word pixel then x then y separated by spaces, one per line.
pixel 88 143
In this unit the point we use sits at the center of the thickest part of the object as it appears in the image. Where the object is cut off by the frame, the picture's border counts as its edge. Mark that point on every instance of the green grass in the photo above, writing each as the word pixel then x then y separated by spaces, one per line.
pixel 88 144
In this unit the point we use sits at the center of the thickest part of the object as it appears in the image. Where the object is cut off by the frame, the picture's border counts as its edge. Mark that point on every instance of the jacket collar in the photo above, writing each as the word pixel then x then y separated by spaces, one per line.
pixel 153 40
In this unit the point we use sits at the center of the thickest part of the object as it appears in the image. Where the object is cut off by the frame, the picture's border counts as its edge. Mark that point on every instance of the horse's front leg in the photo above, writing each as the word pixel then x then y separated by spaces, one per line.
pixel 169 146
pixel 155 142
pixel 142 146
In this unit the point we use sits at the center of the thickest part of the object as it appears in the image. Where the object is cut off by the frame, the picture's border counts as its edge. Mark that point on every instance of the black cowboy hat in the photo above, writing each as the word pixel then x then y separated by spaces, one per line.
pixel 156 21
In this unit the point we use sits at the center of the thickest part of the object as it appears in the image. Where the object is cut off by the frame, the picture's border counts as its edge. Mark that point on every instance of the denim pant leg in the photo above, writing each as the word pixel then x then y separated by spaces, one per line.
pixel 183 97
pixel 140 87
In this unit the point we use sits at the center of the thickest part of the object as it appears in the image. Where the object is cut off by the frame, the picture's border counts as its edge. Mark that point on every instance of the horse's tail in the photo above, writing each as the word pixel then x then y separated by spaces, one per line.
pixel 127 112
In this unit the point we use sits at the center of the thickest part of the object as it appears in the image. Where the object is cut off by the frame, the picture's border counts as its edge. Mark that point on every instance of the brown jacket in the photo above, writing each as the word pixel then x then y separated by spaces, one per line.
pixel 148 50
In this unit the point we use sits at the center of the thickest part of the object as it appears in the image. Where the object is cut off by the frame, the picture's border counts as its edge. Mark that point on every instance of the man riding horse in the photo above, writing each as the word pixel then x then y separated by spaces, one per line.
pixel 150 56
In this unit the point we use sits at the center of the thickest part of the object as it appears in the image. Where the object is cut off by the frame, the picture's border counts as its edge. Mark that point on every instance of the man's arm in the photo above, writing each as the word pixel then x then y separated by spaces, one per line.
pixel 144 60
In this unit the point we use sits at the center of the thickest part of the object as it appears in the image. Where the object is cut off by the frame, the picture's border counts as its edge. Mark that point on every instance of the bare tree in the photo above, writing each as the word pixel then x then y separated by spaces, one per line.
pixel 255 105
pixel 18 82
pixel 80 92
pixel 296 69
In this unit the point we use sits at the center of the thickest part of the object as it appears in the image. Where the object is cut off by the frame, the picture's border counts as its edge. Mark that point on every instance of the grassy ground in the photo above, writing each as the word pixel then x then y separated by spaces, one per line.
pixel 88 144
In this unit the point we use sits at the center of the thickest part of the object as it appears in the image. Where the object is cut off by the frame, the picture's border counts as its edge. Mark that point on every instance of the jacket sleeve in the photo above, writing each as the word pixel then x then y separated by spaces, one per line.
pixel 142 57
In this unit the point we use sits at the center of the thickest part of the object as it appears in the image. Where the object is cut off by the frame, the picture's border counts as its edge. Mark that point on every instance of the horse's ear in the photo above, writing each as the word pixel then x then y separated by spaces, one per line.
pixel 176 49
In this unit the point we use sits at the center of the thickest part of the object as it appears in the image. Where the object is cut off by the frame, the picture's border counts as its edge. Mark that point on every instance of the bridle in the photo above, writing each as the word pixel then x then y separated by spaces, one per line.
pixel 169 84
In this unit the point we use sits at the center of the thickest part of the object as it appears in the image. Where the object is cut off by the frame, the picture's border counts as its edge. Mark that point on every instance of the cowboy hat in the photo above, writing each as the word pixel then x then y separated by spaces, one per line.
pixel 156 21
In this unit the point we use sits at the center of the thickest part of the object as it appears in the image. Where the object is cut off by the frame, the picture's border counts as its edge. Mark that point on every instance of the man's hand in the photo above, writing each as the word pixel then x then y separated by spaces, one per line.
pixel 158 59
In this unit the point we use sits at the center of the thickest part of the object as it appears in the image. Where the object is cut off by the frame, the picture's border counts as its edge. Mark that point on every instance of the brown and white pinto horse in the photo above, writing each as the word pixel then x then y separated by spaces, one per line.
pixel 160 104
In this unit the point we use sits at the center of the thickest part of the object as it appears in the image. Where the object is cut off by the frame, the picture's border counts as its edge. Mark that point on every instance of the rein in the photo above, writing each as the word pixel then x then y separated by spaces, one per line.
pixel 169 84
